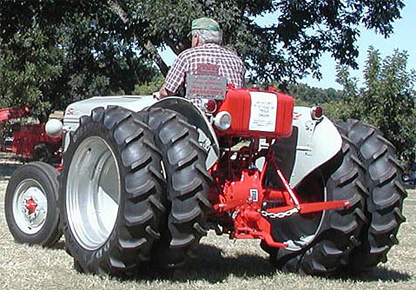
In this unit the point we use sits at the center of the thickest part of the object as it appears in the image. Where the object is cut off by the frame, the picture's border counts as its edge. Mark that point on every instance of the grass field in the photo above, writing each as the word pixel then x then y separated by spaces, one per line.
pixel 223 264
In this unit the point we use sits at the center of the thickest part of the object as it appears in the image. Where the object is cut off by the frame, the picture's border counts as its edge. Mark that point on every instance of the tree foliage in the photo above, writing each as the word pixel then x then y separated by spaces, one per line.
pixel 313 96
pixel 55 52
pixel 26 73
pixel 282 51
pixel 387 101
pixel 82 48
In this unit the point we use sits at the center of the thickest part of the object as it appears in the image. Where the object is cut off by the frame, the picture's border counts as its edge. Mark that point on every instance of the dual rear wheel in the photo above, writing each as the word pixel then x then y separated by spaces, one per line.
pixel 133 189
pixel 320 244
pixel 384 196
pixel 355 239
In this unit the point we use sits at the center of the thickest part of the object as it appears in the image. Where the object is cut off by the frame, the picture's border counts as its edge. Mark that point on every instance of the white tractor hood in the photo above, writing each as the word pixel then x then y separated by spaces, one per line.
pixel 75 110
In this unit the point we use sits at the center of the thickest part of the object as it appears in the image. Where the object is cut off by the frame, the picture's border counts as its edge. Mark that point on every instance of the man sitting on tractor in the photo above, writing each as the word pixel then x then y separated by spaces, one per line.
pixel 205 57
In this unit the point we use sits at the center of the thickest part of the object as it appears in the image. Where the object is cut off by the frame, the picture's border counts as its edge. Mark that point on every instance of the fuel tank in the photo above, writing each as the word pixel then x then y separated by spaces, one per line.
pixel 258 113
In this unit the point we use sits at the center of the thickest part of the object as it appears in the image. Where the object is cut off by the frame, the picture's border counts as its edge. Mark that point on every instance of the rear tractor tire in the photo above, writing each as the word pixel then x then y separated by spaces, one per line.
pixel 187 187
pixel 384 200
pixel 111 192
pixel 320 243
pixel 31 208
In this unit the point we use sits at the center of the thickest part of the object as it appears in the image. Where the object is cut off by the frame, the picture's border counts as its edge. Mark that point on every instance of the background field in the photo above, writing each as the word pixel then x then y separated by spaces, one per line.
pixel 223 264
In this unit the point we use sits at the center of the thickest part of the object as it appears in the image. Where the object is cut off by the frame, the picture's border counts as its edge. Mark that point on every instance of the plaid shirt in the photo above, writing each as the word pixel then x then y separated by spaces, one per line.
pixel 229 64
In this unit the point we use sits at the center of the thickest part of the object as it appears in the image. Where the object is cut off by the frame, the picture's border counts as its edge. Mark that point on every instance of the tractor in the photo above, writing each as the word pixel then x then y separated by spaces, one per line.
pixel 142 181
pixel 28 141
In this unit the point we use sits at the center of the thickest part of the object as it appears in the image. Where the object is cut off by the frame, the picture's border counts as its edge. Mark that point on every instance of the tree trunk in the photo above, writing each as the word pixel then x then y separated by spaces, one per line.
pixel 149 46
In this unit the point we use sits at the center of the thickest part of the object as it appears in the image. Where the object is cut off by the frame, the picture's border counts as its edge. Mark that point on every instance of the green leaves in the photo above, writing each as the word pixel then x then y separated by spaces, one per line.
pixel 387 101
pixel 53 52
pixel 27 66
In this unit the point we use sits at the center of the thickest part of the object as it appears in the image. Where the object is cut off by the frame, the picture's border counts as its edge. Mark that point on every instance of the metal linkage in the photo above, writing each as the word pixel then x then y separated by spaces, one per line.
pixel 280 215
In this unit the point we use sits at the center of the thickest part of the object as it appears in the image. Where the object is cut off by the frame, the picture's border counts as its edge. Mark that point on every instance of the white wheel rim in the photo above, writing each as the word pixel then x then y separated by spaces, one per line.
pixel 30 206
pixel 93 193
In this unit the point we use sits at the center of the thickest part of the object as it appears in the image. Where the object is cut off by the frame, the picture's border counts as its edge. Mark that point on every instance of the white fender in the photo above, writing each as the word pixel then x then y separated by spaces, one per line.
pixel 84 107
pixel 207 137
pixel 318 142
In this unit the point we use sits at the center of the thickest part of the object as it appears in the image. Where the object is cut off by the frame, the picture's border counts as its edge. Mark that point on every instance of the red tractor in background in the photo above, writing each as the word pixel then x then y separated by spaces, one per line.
pixel 28 141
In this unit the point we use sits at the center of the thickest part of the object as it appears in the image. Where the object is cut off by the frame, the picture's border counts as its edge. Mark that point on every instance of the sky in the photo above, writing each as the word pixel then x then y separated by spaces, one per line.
pixel 402 38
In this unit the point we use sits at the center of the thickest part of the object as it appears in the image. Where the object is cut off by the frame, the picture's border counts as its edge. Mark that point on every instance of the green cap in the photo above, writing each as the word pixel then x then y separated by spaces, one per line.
pixel 205 23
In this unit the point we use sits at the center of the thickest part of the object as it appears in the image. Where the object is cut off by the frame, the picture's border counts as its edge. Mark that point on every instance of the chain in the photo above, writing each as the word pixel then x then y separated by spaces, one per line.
pixel 280 215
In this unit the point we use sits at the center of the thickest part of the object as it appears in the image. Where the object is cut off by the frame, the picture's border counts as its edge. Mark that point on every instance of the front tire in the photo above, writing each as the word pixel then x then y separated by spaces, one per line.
pixel 31 208
pixel 111 192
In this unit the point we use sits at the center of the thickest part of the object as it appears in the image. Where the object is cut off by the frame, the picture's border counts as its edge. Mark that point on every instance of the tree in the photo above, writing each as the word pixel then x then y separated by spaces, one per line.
pixel 26 73
pixel 387 101
pixel 55 52
pixel 100 47
pixel 313 96
pixel 282 52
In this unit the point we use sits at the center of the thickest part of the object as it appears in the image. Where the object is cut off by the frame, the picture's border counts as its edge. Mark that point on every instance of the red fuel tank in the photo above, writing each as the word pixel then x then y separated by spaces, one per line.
pixel 258 113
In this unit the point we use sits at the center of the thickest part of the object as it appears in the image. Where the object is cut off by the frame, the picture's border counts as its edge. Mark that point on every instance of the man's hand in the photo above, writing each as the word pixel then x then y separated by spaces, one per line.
pixel 162 93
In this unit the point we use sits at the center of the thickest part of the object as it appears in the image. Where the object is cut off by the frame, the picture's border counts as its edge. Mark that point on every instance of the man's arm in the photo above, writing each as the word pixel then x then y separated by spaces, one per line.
pixel 162 93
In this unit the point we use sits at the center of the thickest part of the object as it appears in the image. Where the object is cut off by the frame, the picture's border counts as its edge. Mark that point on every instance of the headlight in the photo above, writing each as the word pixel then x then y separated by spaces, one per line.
pixel 53 128
pixel 223 121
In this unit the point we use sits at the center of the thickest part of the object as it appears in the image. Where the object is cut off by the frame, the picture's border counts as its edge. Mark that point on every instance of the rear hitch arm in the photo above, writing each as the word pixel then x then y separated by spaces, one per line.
pixel 305 208
pixel 325 205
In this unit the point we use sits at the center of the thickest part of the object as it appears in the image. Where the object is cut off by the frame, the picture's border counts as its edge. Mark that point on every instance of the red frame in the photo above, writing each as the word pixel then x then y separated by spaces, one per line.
pixel 28 136
pixel 238 189
pixel 238 104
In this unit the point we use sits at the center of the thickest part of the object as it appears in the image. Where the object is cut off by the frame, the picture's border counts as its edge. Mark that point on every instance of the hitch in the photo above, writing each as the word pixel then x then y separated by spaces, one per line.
pixel 243 202
pixel 305 208
pixel 253 224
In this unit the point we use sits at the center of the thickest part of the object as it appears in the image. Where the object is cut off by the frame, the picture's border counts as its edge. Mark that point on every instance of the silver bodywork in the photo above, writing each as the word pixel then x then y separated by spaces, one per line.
pixel 318 142
pixel 137 103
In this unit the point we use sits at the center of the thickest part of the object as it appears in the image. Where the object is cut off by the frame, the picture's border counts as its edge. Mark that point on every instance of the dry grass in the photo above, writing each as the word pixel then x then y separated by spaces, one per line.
pixel 223 264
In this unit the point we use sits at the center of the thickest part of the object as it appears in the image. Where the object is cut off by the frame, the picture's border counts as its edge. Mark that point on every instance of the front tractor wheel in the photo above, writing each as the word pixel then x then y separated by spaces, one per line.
pixel 320 243
pixel 31 205
pixel 111 191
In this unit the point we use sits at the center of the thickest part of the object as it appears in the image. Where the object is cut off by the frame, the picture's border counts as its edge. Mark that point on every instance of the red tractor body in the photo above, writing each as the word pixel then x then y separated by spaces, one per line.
pixel 273 118
pixel 29 141
pixel 29 137
pixel 239 192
